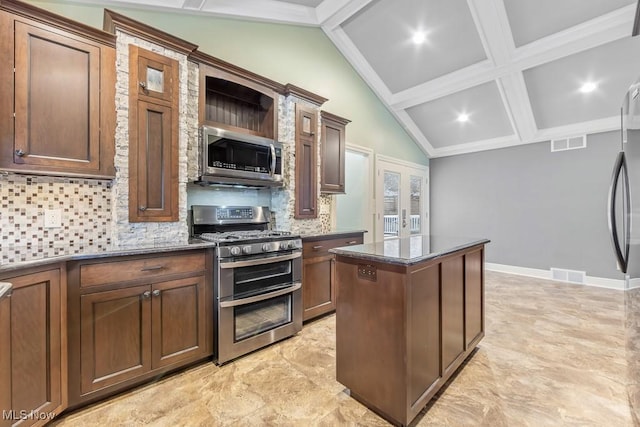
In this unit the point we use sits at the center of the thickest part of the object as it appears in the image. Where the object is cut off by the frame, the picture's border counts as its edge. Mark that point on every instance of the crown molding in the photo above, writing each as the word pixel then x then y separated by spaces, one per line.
pixel 114 21
pixel 325 115
pixel 299 92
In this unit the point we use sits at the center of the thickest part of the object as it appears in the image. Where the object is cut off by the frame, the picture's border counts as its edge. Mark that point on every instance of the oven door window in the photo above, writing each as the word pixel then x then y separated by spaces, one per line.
pixel 256 279
pixel 258 317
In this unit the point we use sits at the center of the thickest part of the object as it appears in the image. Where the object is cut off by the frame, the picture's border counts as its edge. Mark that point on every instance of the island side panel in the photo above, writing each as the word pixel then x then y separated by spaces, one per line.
pixel 371 336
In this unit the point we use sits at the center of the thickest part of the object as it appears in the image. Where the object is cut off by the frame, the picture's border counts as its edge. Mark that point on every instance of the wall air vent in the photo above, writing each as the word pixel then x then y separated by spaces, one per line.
pixel 571 276
pixel 573 143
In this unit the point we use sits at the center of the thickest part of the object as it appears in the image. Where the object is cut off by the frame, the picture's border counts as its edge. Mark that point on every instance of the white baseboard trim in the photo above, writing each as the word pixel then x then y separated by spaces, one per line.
pixel 600 282
pixel 634 283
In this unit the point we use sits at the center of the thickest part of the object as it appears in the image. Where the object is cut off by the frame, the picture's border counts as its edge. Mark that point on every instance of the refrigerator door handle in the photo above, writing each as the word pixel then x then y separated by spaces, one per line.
pixel 619 169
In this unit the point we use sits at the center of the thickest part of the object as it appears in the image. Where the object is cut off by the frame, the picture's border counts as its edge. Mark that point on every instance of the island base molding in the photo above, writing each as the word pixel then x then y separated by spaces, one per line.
pixel 402 332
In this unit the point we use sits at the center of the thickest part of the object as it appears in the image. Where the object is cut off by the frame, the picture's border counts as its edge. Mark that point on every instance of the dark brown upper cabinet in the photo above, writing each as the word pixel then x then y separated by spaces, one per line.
pixel 332 153
pixel 60 99
pixel 235 99
pixel 153 136
pixel 306 191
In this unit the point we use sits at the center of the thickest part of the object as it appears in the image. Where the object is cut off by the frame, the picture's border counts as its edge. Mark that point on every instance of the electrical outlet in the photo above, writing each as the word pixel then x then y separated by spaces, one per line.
pixel 52 218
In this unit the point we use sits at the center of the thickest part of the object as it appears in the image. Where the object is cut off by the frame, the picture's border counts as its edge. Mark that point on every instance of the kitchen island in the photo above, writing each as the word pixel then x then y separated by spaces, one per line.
pixel 409 312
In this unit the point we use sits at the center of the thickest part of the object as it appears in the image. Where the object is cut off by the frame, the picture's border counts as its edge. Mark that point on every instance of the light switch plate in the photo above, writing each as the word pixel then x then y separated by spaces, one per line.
pixel 52 218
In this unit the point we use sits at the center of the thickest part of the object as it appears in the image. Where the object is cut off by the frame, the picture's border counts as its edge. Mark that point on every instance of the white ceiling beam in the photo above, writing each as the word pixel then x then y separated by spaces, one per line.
pixel 338 11
pixel 473 147
pixel 263 10
pixel 456 81
pixel 516 100
pixel 414 131
pixel 596 32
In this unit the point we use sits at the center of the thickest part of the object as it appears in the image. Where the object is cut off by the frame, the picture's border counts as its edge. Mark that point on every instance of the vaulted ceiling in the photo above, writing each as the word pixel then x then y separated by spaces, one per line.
pixel 514 69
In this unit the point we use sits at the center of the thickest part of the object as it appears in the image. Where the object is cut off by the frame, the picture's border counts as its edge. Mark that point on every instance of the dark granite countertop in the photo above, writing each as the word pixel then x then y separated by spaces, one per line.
pixel 330 235
pixel 112 252
pixel 409 250
pixel 5 288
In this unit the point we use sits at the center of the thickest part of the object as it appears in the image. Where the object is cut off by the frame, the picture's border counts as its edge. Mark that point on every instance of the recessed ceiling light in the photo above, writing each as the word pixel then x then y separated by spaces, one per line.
pixel 588 87
pixel 419 37
pixel 463 118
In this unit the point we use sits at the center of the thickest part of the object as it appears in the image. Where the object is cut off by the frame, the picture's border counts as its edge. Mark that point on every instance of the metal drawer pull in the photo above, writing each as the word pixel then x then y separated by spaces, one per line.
pixel 257 298
pixel 315 248
pixel 146 294
pixel 156 293
pixel 269 260
pixel 152 268
pixel 353 242
pixel 20 152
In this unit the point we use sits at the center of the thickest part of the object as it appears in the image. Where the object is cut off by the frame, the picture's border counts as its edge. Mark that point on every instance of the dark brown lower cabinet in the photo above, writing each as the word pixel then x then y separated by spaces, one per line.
pixel 130 332
pixel 318 281
pixel 403 330
pixel 37 348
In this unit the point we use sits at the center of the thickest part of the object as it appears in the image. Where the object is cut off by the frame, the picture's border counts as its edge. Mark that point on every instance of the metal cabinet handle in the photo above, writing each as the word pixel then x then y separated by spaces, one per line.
pixel 353 242
pixel 142 208
pixel 156 293
pixel 20 152
pixel 152 268
pixel 143 85
pixel 315 248
pixel 146 294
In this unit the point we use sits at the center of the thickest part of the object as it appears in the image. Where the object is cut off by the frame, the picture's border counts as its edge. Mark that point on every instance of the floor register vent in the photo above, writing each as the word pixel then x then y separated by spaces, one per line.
pixel 571 276
pixel 573 143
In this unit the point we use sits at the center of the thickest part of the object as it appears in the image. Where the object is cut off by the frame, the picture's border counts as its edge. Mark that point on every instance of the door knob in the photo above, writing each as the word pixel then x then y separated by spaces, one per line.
pixel 20 152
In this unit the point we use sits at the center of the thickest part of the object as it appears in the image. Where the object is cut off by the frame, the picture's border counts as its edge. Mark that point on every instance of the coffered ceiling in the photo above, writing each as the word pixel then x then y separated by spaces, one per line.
pixel 514 69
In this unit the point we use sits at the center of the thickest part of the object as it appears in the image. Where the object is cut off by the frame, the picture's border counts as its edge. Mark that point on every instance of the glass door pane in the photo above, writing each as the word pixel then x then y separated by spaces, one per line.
pixel 415 209
pixel 391 201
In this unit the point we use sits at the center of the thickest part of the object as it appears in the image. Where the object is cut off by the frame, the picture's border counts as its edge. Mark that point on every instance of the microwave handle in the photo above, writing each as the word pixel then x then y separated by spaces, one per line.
pixel 273 159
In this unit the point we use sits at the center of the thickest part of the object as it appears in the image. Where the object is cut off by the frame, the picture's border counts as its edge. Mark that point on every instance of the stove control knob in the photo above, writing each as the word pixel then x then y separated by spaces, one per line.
pixel 246 250
pixel 235 250
pixel 266 247
pixel 284 246
pixel 293 244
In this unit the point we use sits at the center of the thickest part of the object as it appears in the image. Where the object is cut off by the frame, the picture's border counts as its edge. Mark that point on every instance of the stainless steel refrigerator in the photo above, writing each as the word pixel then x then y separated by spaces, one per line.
pixel 624 224
pixel 624 193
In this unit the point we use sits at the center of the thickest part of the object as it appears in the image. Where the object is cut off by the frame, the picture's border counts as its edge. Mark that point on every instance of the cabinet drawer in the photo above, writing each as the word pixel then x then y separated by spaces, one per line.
pixel 126 270
pixel 321 247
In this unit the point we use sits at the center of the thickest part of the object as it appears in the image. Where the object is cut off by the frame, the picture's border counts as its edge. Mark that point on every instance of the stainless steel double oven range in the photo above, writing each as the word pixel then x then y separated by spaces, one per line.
pixel 257 278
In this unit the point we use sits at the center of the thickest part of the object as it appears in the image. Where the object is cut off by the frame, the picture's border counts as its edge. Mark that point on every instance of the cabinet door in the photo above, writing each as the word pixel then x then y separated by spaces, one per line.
pixel 306 163
pixel 5 359
pixel 179 321
pixel 36 344
pixel 318 290
pixel 333 153
pixel 473 297
pixel 57 101
pixel 115 336
pixel 453 343
pixel 153 131
pixel 153 192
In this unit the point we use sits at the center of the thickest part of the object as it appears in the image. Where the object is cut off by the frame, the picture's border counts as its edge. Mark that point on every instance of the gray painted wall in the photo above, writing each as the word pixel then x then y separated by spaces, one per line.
pixel 540 209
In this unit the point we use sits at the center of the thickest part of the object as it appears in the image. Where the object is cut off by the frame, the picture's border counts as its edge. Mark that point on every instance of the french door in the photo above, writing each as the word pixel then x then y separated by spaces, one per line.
pixel 402 198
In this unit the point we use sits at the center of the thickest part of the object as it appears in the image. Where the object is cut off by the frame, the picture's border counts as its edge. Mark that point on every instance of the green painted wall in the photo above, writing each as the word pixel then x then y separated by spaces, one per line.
pixel 303 56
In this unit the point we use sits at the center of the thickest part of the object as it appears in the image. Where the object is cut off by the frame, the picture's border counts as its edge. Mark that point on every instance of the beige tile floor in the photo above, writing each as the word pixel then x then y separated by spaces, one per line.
pixel 553 355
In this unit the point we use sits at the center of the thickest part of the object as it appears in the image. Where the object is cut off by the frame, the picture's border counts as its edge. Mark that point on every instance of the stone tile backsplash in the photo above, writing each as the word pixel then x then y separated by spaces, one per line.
pixel 85 205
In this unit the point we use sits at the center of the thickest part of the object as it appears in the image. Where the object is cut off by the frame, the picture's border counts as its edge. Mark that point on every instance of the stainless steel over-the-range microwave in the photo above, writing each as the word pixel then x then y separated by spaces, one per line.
pixel 239 159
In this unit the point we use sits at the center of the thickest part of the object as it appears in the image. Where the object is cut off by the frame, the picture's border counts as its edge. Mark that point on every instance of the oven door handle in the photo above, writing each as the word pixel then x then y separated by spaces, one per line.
pixel 249 263
pixel 262 297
